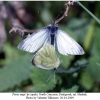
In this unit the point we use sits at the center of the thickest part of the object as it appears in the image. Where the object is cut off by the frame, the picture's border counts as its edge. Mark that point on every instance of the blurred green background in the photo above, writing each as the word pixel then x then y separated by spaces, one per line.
pixel 75 73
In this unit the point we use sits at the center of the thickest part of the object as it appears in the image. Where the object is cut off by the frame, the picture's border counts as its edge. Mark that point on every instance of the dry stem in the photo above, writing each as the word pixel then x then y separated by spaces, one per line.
pixel 68 4
pixel 22 31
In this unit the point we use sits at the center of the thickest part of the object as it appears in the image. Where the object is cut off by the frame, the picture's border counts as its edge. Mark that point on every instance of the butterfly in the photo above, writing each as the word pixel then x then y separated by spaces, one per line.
pixel 53 35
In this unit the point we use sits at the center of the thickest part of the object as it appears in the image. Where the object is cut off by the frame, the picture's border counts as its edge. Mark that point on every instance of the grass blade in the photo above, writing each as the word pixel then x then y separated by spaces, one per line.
pixel 89 12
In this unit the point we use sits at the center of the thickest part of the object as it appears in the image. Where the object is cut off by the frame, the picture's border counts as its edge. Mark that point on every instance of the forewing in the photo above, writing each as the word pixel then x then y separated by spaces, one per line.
pixel 66 45
pixel 34 41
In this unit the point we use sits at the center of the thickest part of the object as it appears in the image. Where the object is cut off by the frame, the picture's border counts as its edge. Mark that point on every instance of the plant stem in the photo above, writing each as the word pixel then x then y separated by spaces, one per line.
pixel 89 12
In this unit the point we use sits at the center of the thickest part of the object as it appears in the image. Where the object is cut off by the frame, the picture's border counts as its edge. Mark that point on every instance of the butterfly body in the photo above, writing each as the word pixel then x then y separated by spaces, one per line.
pixel 52 29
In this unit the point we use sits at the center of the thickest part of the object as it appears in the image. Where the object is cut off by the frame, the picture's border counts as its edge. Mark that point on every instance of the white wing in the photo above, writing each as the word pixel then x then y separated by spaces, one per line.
pixel 33 42
pixel 66 45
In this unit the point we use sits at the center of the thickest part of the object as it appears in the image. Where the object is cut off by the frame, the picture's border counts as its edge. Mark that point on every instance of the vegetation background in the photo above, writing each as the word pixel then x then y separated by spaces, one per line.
pixel 75 73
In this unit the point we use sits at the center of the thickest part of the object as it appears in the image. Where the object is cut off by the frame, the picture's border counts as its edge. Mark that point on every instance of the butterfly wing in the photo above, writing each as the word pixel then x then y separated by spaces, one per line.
pixel 34 41
pixel 46 58
pixel 66 45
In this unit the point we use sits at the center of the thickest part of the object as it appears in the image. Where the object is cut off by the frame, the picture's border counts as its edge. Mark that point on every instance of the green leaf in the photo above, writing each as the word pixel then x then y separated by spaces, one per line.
pixel 39 77
pixel 66 60
pixel 86 80
pixel 94 68
pixel 70 70
pixel 16 72
pixel 11 54
pixel 79 28
pixel 76 23
pixel 96 45
pixel 72 89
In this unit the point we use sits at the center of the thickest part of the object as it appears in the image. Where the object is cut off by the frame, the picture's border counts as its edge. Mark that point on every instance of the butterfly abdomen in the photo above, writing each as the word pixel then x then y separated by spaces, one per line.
pixel 52 39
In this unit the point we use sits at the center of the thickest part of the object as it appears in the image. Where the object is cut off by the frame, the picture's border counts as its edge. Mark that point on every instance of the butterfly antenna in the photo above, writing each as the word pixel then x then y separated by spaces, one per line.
pixel 56 18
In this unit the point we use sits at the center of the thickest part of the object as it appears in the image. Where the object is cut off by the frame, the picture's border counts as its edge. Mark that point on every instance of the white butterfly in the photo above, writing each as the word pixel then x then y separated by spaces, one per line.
pixel 56 37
